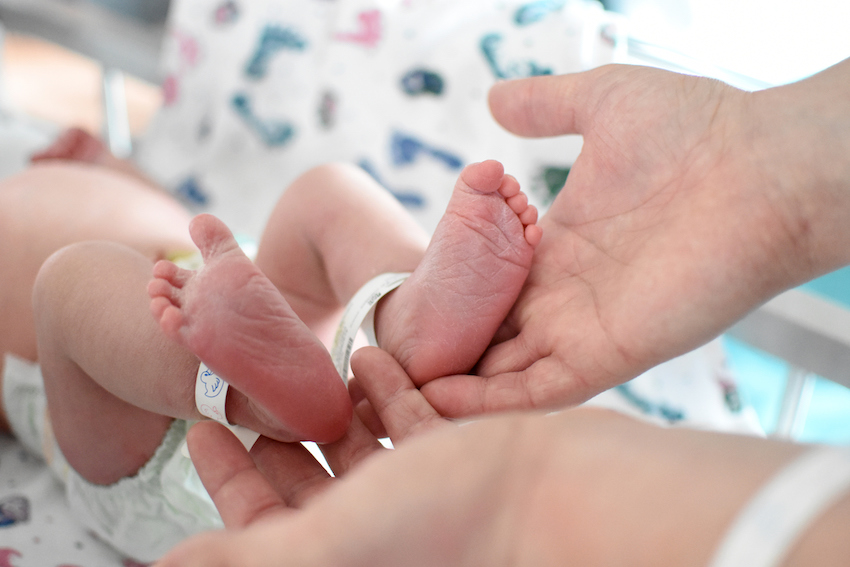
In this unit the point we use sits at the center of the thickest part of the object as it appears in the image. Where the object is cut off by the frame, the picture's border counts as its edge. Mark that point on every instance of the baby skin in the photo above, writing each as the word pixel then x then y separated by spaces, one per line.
pixel 236 321
pixel 76 144
pixel 438 322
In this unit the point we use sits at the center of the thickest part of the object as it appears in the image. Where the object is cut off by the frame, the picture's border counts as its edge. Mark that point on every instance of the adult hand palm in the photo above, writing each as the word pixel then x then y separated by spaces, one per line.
pixel 642 256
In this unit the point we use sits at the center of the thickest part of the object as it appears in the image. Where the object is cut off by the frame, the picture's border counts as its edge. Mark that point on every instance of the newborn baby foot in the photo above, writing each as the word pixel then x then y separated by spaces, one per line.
pixel 236 321
pixel 440 321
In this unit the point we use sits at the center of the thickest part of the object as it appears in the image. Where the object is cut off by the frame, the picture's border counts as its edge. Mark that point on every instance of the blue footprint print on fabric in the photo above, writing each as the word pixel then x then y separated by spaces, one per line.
pixel 273 39
pixel 422 81
pixel 648 407
pixel 406 150
pixel 549 181
pixel 410 199
pixel 536 11
pixel 517 70
pixel 212 384
pixel 273 133
pixel 14 510
pixel 190 192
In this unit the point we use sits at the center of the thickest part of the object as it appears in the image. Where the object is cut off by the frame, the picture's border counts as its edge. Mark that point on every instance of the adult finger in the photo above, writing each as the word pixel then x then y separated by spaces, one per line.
pixel 276 542
pixel 357 444
pixel 546 384
pixel 549 105
pixel 393 395
pixel 291 470
pixel 275 477
pixel 364 410
pixel 240 492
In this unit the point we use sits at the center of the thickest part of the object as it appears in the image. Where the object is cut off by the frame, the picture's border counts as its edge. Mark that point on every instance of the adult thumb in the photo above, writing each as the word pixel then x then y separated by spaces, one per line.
pixel 549 105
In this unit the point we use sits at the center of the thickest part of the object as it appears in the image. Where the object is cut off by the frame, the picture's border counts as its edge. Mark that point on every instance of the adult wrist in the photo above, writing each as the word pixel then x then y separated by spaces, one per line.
pixel 800 137
pixel 787 507
pixel 825 542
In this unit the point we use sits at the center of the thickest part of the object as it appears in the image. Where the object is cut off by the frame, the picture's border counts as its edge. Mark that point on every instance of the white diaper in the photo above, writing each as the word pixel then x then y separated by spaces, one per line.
pixel 141 516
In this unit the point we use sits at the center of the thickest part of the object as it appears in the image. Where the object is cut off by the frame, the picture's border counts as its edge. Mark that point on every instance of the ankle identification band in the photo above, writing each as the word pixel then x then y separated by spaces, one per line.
pixel 768 527
pixel 360 313
pixel 210 397
pixel 211 389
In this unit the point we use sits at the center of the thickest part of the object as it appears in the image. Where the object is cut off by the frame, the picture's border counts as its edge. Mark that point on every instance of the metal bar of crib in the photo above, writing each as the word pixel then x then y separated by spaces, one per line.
pixel 795 404
pixel 115 118
pixel 812 334
pixel 809 332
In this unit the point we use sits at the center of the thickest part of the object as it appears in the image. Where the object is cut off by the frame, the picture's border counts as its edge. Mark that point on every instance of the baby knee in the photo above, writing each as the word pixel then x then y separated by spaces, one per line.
pixel 63 275
pixel 326 177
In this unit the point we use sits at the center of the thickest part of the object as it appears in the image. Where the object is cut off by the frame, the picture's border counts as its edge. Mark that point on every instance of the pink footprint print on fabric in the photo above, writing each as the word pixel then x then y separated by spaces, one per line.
pixel 369 33
pixel 6 554
pixel 188 48
pixel 189 53
pixel 170 90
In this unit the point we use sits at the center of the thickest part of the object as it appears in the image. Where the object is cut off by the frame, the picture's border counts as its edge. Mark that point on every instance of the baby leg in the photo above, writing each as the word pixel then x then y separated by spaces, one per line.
pixel 333 215
pixel 113 381
pixel 440 321
pixel 335 228
pixel 235 320
pixel 332 230
pixel 47 207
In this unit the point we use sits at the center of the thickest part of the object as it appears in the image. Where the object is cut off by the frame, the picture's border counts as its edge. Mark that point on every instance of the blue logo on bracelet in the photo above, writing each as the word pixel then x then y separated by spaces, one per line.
pixel 212 384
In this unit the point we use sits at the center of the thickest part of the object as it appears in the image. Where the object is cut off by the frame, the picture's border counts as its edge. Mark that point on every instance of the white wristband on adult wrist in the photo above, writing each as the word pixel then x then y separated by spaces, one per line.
pixel 772 522
pixel 360 312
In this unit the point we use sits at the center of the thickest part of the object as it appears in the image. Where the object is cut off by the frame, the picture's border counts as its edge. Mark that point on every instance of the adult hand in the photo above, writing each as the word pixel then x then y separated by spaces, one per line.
pixel 691 203
pixel 587 486
pixel 372 517
pixel 279 477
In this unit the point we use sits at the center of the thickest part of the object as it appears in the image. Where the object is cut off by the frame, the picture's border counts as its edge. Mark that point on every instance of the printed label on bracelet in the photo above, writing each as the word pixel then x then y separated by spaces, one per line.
pixel 210 398
pixel 360 306
pixel 210 394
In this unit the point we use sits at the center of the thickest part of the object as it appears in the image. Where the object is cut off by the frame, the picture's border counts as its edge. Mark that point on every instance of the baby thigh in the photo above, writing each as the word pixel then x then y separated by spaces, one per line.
pixel 333 229
pixel 113 382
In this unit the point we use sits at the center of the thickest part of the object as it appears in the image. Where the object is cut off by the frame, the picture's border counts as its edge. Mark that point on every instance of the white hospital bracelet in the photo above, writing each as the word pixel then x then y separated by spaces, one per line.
pixel 360 311
pixel 771 523
pixel 210 397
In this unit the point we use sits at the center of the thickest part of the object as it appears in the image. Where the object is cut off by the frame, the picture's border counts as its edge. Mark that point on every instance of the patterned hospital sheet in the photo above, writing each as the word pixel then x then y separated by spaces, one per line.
pixel 256 92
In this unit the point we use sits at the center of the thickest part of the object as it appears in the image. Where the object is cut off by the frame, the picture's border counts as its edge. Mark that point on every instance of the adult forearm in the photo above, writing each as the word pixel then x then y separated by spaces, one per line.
pixel 618 491
pixel 825 542
pixel 801 143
